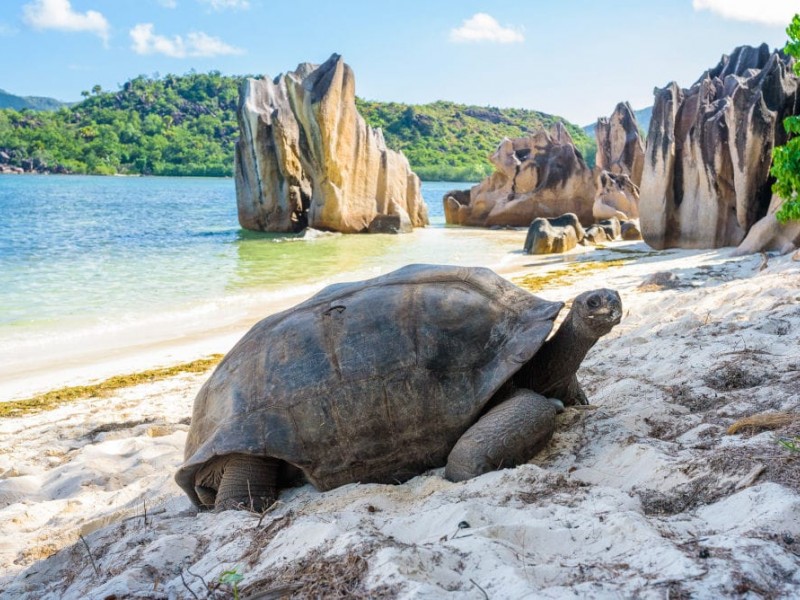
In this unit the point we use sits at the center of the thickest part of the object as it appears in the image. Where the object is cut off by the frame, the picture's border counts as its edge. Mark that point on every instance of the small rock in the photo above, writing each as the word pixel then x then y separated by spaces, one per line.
pixel 663 280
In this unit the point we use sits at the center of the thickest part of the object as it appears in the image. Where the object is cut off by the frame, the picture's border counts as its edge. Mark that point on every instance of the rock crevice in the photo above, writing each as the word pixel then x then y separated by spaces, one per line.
pixel 706 178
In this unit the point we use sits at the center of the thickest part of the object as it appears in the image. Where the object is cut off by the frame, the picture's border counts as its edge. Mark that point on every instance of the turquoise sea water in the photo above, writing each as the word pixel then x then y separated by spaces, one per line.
pixel 88 256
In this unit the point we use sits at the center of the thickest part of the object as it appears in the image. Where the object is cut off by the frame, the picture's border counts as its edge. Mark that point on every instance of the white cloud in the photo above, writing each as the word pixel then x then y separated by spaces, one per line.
pixel 197 43
pixel 481 27
pixel 766 12
pixel 168 3
pixel 58 14
pixel 226 4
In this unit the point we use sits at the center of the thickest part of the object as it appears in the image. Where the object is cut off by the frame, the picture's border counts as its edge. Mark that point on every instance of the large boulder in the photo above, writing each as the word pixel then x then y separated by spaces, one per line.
pixel 553 236
pixel 617 196
pixel 770 234
pixel 612 228
pixel 542 175
pixel 619 145
pixel 706 176
pixel 630 230
pixel 305 157
pixel 453 201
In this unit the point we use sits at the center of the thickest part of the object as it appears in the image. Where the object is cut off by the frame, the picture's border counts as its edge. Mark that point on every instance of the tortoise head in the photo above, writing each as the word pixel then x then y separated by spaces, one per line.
pixel 596 312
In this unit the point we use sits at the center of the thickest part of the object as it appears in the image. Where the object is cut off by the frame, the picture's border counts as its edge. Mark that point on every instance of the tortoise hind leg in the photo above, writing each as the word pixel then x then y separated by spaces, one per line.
pixel 248 482
pixel 509 434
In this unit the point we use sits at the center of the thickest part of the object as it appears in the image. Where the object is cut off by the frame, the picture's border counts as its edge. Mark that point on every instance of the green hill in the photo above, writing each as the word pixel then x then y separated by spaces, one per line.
pixel 186 125
pixel 447 141
pixel 168 126
pixel 28 102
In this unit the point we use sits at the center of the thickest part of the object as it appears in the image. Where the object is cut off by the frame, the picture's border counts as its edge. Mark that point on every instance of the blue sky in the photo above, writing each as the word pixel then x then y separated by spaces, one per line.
pixel 574 58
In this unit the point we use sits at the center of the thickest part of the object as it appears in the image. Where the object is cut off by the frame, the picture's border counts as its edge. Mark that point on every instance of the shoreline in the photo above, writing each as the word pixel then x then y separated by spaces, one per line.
pixel 651 466
pixel 227 177
pixel 93 364
pixel 90 356
pixel 164 349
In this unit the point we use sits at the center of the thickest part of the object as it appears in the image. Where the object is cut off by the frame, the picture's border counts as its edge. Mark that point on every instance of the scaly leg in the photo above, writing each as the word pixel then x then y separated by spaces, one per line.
pixel 248 482
pixel 509 434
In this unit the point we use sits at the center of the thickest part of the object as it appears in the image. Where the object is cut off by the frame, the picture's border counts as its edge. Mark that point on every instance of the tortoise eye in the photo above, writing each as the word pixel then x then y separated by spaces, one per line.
pixel 593 302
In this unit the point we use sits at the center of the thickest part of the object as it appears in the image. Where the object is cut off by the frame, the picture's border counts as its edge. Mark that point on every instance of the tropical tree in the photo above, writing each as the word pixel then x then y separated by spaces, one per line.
pixel 786 159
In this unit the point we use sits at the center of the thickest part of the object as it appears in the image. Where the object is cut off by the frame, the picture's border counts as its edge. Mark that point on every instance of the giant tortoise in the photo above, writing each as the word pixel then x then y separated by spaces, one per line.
pixel 380 380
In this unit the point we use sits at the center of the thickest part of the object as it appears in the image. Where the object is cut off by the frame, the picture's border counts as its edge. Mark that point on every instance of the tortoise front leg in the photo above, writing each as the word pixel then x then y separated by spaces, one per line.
pixel 248 482
pixel 575 394
pixel 509 434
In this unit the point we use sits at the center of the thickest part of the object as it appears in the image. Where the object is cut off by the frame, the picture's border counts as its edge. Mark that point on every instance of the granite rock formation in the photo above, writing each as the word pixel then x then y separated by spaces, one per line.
pixel 305 157
pixel 596 235
pixel 706 177
pixel 617 196
pixel 542 175
pixel 619 146
pixel 551 236
pixel 606 230
pixel 630 230
pixel 770 234
pixel 612 227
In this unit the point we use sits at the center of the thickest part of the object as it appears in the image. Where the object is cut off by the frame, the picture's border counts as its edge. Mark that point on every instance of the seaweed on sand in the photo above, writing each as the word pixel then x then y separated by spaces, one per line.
pixel 55 398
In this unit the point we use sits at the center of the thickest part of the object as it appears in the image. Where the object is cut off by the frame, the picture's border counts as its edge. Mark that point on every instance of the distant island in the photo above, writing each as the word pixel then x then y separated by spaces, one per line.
pixel 8 100
pixel 186 126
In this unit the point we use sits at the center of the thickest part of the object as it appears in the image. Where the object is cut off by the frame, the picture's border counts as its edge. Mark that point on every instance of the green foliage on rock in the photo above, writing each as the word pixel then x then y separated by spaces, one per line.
pixel 452 142
pixel 786 159
pixel 186 125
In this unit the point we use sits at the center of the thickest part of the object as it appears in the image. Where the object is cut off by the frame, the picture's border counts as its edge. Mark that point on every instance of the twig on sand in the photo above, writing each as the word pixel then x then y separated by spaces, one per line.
pixel 89 552
pixel 692 541
pixel 751 477
pixel 270 509
pixel 746 351
pixel 186 585
pixel 156 512
pixel 764 261
pixel 200 577
pixel 485 595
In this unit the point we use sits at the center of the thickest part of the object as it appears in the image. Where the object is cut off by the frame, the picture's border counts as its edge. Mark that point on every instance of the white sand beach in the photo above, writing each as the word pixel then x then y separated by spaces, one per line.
pixel 643 495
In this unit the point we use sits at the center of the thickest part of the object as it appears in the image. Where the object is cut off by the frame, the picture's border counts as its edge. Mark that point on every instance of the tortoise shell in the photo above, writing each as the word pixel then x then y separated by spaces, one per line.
pixel 371 381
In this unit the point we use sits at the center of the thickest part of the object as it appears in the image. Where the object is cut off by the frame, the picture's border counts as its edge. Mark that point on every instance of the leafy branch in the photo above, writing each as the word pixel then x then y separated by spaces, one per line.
pixel 786 158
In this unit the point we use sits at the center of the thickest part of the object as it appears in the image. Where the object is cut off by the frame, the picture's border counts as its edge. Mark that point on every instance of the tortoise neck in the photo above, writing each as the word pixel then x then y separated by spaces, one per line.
pixel 552 368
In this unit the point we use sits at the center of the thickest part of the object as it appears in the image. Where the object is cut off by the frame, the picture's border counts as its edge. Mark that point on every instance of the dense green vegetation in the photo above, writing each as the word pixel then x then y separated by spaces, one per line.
pixel 165 126
pixel 186 125
pixel 786 159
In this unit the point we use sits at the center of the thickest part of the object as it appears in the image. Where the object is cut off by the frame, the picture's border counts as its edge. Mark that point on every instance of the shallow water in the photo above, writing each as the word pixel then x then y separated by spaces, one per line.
pixel 83 257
